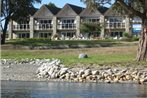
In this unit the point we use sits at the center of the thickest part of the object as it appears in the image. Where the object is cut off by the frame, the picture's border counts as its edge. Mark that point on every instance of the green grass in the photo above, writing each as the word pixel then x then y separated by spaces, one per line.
pixel 70 56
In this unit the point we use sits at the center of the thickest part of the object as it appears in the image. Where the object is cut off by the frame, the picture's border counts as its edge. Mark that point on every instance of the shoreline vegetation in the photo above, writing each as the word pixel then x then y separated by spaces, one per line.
pixel 47 42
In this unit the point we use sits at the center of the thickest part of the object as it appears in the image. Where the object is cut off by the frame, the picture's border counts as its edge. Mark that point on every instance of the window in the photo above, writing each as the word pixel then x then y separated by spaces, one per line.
pixel 68 34
pixel 92 20
pixel 67 21
pixel 118 34
pixel 115 22
pixel 23 35
pixel 115 19
pixel 45 35
pixel 43 24
pixel 67 24
pixel 44 21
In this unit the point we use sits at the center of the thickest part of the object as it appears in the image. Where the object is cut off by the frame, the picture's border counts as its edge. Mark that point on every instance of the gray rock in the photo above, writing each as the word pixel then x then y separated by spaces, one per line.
pixel 51 71
pixel 63 71
pixel 83 55
pixel 62 77
pixel 73 75
pixel 81 72
pixel 143 80
pixel 53 75
pixel 95 72
pixel 87 72
pixel 107 81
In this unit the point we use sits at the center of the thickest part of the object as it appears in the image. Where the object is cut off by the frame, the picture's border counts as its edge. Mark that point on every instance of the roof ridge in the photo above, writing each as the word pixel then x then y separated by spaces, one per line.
pixel 51 7
pixel 75 8
pixel 74 5
pixel 54 10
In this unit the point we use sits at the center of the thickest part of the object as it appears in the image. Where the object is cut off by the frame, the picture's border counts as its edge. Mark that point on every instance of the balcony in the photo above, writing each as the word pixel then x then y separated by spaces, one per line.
pixel 115 25
pixel 67 26
pixel 90 20
pixel 43 26
pixel 20 27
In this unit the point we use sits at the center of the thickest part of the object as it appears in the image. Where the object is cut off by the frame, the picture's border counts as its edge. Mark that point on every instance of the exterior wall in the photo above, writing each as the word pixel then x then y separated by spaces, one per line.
pixel 10 36
pixel 77 25
pixel 31 27
pixel 14 36
pixel 102 21
pixel 54 25
pixel 127 25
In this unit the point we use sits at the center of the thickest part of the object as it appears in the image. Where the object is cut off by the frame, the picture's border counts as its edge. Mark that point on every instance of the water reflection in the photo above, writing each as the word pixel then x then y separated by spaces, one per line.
pixel 17 89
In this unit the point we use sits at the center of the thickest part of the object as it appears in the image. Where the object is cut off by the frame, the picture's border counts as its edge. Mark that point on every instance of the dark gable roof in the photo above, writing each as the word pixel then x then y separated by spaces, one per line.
pixel 77 9
pixel 103 9
pixel 33 11
pixel 54 10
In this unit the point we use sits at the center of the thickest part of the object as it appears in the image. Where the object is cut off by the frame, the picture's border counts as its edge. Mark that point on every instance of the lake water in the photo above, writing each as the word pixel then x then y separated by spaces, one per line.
pixel 19 89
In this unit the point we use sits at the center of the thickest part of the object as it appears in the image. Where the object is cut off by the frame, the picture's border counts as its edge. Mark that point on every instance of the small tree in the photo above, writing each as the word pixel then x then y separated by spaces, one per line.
pixel 90 27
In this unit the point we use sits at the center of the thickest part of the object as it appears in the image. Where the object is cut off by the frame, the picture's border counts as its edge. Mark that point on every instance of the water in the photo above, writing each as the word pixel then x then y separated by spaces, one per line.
pixel 19 89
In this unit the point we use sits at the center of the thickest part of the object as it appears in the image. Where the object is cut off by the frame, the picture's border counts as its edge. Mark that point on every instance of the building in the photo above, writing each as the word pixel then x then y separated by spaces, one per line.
pixel 65 23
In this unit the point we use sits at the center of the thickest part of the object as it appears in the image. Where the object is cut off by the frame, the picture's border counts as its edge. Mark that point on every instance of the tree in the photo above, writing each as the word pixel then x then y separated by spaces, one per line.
pixel 134 8
pixel 15 10
pixel 90 27
pixel 51 5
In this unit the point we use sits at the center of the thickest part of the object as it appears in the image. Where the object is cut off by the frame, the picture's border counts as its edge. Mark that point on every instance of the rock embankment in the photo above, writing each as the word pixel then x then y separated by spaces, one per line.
pixel 55 70
pixel 48 69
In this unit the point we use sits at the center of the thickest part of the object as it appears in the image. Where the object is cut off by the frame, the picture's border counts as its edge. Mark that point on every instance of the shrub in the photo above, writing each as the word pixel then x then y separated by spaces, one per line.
pixel 135 38
pixel 127 35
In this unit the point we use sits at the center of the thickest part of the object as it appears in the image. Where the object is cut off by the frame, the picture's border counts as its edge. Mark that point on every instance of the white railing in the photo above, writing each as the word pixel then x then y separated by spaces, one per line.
pixel 69 26
pixel 21 27
pixel 43 26
pixel 115 25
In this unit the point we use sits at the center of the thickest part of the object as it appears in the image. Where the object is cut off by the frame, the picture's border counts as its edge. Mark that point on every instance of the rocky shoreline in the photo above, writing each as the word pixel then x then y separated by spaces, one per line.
pixel 54 70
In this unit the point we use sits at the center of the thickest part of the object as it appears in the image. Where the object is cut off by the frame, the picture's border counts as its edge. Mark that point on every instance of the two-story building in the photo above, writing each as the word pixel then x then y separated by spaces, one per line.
pixel 65 22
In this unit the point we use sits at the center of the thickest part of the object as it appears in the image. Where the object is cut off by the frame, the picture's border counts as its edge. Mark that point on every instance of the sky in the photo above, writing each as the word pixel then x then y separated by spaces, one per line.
pixel 61 3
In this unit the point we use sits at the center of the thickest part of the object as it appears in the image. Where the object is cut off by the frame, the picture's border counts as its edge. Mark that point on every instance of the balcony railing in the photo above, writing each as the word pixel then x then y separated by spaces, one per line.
pixel 43 27
pixel 67 26
pixel 21 27
pixel 115 25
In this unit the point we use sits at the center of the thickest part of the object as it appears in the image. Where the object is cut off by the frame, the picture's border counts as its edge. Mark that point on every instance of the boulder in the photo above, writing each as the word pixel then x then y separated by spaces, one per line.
pixel 95 72
pixel 63 71
pixel 109 71
pixel 87 72
pixel 143 80
pixel 81 72
pixel 83 55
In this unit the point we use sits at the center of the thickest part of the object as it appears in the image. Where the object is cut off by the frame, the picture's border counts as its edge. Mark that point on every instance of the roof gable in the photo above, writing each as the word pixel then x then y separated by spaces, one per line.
pixel 111 12
pixel 69 11
pixel 103 9
pixel 54 10
pixel 77 9
pixel 43 12
pixel 88 13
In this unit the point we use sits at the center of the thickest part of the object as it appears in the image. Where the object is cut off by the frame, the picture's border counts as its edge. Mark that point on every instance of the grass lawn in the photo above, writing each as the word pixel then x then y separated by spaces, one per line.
pixel 70 56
